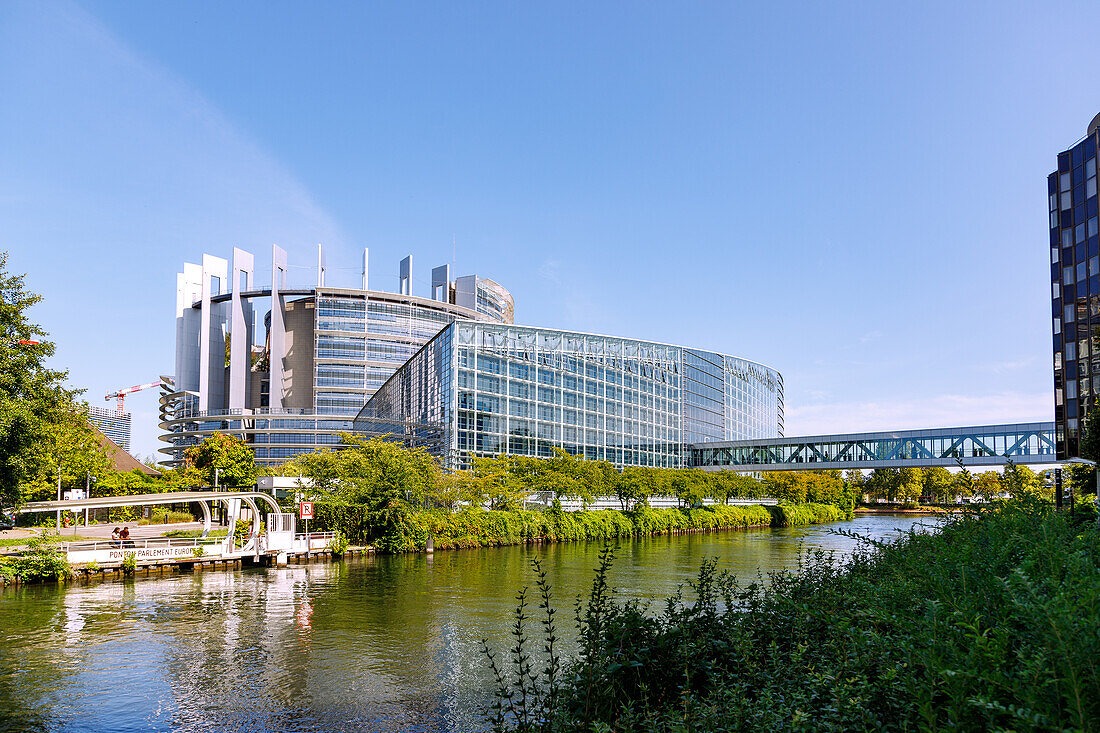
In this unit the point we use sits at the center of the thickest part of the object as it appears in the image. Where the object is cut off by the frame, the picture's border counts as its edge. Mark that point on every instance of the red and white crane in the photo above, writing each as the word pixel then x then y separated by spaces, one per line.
pixel 121 393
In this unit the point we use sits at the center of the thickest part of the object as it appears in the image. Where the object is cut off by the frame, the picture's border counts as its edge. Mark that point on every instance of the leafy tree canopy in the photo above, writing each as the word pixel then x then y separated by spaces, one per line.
pixel 42 426
pixel 232 459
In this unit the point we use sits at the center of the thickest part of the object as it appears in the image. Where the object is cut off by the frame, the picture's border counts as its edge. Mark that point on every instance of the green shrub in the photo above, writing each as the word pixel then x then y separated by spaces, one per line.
pixel 129 563
pixel 339 545
pixel 801 515
pixel 242 530
pixel 7 571
pixel 43 560
pixel 401 529
pixel 989 624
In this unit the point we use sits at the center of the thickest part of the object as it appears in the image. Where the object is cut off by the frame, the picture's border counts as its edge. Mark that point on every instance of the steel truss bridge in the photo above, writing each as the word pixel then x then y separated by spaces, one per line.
pixel 984 445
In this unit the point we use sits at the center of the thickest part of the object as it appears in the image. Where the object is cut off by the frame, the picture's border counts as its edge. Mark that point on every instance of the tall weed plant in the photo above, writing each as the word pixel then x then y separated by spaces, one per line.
pixel 988 624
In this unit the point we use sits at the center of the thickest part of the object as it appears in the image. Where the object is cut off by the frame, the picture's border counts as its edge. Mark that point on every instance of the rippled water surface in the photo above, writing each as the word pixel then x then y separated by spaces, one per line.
pixel 379 643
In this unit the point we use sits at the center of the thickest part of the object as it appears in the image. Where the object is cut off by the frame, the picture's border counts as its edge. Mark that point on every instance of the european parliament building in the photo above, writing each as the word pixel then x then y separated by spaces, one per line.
pixel 450 372
pixel 292 381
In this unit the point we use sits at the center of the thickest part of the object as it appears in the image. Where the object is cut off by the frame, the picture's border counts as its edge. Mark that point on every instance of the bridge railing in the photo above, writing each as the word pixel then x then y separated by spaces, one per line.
pixel 107 544
pixel 1032 443
pixel 313 541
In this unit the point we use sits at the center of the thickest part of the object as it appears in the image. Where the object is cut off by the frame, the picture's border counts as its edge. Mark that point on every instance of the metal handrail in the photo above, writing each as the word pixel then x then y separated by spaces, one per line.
pixel 109 544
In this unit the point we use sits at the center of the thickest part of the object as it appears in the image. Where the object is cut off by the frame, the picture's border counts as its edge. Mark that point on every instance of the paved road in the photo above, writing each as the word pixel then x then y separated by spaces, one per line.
pixel 137 532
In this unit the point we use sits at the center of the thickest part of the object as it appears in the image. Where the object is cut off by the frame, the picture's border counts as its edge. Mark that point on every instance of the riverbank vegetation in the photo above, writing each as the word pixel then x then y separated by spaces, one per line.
pixel 937 485
pixel 380 493
pixel 478 527
pixel 42 560
pixel 988 624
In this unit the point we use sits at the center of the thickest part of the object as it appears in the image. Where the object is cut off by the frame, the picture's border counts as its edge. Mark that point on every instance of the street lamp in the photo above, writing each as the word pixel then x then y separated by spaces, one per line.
pixel 1087 462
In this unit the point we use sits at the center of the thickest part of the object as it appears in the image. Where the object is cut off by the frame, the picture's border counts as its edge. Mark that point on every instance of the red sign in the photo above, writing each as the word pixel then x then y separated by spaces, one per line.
pixel 307 510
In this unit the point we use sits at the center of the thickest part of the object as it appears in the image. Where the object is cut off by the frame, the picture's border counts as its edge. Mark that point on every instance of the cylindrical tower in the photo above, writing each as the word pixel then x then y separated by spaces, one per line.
pixel 324 352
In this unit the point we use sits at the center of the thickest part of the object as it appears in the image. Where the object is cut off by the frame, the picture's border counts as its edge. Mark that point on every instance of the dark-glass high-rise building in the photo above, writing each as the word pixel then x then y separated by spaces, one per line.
pixel 1075 286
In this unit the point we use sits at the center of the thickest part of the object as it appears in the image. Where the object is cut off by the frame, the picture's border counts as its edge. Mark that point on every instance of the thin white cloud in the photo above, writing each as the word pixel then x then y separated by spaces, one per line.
pixel 574 299
pixel 142 142
pixel 1007 365
pixel 115 171
pixel 948 410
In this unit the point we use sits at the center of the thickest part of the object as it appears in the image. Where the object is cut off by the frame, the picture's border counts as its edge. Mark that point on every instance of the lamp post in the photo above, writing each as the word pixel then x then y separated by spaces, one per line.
pixel 1087 462
pixel 89 479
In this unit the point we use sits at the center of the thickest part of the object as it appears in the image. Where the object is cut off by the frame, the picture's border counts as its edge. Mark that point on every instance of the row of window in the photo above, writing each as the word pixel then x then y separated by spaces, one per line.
pixel 519 412
pixel 354 347
pixel 596 409
pixel 297 438
pixel 659 457
pixel 563 367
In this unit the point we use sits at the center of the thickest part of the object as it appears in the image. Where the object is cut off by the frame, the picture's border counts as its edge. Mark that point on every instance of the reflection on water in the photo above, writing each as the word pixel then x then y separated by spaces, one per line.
pixel 380 643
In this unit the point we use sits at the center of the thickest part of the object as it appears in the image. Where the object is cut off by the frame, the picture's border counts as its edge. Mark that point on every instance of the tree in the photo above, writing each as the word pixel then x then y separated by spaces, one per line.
pixel 452 488
pixel 726 485
pixel 1090 435
pixel 855 483
pixel 829 487
pixel 910 484
pixel 988 485
pixel 323 468
pixel 789 486
pixel 232 459
pixel 939 484
pixel 882 484
pixel 499 481
pixel 1021 481
pixel 689 485
pixel 964 481
pixel 565 476
pixel 1079 479
pixel 633 488
pixel 36 409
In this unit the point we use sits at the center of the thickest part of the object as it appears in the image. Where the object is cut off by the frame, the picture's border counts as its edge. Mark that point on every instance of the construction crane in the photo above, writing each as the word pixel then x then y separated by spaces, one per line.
pixel 121 393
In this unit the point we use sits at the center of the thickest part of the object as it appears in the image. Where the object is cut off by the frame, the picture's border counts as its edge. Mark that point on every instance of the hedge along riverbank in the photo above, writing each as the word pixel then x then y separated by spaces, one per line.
pixel 397 531
pixel 802 515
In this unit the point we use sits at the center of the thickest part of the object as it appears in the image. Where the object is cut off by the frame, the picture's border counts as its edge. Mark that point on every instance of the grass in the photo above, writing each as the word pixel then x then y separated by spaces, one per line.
pixel 193 533
pixel 168 517
pixel 989 624
pixel 20 541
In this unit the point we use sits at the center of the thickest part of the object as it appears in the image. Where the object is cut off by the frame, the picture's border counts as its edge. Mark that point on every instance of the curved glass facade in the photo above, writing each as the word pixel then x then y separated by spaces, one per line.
pixel 510 389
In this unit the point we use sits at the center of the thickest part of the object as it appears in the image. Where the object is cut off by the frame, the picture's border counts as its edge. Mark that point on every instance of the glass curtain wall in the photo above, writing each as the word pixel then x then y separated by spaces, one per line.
pixel 526 391
pixel 361 341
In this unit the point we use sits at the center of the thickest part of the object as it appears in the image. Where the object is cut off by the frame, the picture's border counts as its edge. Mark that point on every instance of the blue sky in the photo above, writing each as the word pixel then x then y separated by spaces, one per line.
pixel 853 193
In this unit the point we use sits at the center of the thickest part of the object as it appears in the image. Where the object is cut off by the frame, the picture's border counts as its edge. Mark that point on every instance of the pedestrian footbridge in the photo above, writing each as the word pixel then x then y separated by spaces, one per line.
pixel 985 445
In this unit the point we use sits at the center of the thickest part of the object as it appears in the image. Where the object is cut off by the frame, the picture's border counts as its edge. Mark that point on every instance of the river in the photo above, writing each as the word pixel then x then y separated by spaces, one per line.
pixel 377 643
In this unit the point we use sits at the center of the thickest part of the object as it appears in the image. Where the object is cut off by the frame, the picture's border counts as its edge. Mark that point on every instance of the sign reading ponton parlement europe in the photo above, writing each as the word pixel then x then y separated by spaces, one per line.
pixel 118 554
